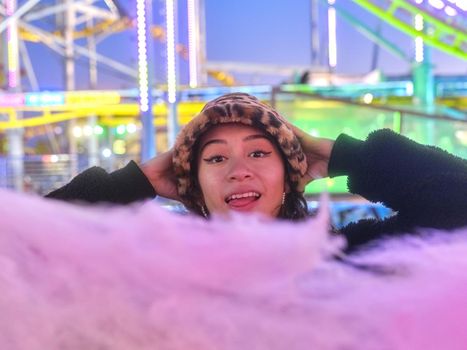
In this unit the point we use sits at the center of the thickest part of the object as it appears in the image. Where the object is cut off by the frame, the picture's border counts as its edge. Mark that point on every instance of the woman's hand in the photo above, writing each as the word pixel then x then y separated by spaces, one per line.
pixel 317 151
pixel 160 173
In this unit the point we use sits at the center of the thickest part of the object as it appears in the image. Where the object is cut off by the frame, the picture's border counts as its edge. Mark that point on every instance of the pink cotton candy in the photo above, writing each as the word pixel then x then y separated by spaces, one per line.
pixel 139 277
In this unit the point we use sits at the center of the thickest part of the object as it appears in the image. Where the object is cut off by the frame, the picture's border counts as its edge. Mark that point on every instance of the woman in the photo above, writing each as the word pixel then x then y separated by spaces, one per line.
pixel 240 154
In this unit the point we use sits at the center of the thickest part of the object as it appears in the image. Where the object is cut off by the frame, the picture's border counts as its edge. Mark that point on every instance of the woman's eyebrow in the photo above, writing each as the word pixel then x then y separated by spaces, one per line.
pixel 255 137
pixel 213 141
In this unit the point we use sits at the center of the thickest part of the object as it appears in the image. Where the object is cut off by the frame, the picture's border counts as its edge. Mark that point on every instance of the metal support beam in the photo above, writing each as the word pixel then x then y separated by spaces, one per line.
pixel 202 57
pixel 315 37
pixel 172 70
pixel 45 12
pixel 51 41
pixel 145 83
pixel 93 142
pixel 371 34
pixel 14 137
pixel 28 66
pixel 94 11
pixel 17 14
pixel 68 34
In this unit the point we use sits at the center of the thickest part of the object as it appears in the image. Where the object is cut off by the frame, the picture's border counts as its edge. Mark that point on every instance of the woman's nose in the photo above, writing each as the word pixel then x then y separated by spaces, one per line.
pixel 239 170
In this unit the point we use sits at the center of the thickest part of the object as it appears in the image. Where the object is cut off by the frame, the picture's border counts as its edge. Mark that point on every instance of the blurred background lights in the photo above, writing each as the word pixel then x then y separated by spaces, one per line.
pixel 437 4
pixel 142 55
pixel 332 35
pixel 120 130
pixel 419 55
pixel 192 44
pixel 368 98
pixel 409 88
pixel 54 158
pixel 98 130
pixel 171 54
pixel 461 135
pixel 87 130
pixel 314 132
pixel 131 128
pixel 119 147
pixel 77 131
pixel 450 11
pixel 106 152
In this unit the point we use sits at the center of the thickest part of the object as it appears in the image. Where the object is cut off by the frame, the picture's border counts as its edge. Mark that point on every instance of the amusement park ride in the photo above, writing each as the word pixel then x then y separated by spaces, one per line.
pixel 79 128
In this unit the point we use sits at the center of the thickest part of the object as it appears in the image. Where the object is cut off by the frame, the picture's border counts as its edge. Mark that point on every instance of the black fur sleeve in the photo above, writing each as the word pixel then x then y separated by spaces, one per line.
pixel 425 185
pixel 122 186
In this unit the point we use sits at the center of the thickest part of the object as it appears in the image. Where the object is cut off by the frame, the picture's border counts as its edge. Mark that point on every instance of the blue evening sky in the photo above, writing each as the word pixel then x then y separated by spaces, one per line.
pixel 251 31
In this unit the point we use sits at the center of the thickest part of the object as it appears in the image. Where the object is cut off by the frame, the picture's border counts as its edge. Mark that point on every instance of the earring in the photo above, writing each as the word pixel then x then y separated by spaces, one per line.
pixel 203 210
pixel 283 198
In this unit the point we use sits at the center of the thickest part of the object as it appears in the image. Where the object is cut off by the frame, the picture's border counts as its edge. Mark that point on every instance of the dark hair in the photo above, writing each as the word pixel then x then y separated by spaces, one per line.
pixel 295 206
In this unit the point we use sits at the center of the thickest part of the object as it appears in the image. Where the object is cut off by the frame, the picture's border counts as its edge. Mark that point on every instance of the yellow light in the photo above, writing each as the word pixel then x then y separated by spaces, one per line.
pixel 92 98
pixel 119 147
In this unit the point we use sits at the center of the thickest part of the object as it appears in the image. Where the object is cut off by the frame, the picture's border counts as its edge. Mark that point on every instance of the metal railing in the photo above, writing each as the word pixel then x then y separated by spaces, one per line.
pixel 44 173
pixel 321 115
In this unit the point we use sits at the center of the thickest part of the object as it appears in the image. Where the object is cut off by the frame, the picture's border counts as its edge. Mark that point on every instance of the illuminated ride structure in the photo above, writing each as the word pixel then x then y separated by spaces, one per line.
pixel 48 136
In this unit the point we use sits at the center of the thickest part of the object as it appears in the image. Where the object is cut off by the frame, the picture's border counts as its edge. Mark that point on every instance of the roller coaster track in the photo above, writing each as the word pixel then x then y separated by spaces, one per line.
pixel 400 13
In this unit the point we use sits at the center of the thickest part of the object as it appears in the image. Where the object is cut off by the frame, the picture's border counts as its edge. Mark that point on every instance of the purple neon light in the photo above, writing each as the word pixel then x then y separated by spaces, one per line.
pixel 11 100
pixel 142 56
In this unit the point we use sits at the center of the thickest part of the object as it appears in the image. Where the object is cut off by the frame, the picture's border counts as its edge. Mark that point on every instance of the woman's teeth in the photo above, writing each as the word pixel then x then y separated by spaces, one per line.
pixel 242 195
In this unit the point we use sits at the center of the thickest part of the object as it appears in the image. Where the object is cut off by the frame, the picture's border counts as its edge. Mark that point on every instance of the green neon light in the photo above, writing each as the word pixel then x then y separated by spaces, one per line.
pixel 439 27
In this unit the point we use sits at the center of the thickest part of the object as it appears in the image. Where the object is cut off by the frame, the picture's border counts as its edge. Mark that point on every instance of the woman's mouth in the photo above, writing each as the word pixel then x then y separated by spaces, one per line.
pixel 242 201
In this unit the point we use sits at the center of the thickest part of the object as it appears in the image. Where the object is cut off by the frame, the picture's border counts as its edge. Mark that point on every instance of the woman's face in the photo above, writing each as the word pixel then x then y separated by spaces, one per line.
pixel 240 169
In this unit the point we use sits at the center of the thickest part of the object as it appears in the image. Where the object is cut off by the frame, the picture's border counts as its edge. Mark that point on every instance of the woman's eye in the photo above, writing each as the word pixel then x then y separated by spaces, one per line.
pixel 214 159
pixel 259 154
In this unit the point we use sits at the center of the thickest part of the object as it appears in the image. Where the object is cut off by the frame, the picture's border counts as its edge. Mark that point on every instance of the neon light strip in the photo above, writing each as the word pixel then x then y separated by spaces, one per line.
pixel 462 4
pixel 332 44
pixel 450 11
pixel 192 44
pixel 419 40
pixel 142 56
pixel 11 100
pixel 12 45
pixel 171 72
pixel 437 4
